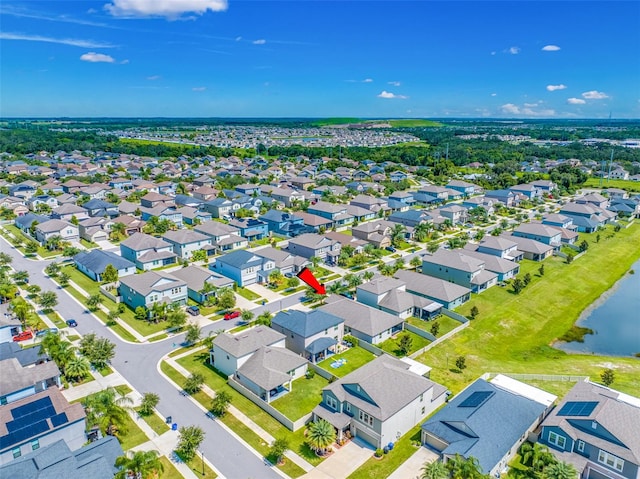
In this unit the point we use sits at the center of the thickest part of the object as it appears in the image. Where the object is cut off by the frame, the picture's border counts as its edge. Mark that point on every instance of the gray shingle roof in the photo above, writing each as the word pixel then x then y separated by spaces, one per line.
pixel 195 276
pixel 15 377
pixel 97 260
pixel 52 226
pixel 215 228
pixel 247 341
pixel 383 387
pixel 142 241
pixel 360 317
pixel 185 236
pixel 475 431
pixel 269 367
pixel 454 259
pixel 150 281
pixel 306 324
pixel 432 287
pixel 381 285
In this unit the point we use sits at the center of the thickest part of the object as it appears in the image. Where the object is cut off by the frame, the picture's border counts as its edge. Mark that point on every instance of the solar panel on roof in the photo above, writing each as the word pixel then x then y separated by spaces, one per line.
pixel 578 408
pixel 31 407
pixel 59 419
pixel 476 398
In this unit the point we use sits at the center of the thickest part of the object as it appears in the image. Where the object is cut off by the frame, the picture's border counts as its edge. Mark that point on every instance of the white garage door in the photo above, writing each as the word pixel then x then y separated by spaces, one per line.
pixel 367 437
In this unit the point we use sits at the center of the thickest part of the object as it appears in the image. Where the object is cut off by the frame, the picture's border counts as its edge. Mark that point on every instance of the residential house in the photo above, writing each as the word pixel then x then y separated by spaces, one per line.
pixel 19 380
pixel 531 249
pixel 163 212
pixel 455 213
pixel 231 351
pixel 440 193
pixel 501 247
pixel 95 229
pixel 314 223
pixel 223 237
pixel 68 211
pixel 244 267
pixel 26 222
pixel 38 421
pixel 311 244
pixel 97 207
pixel 369 202
pixel 37 201
pixel 507 197
pixel 250 228
pixel 398 176
pixel 586 217
pixel 540 232
pixel 313 335
pixel 301 182
pixel 504 268
pixel 364 322
pixel 464 187
pixel 595 428
pixel 94 262
pixel 390 295
pixel 132 225
pixel 185 242
pixel 378 233
pixel 528 190
pixel 196 277
pixel 48 229
pixel 335 212
pixel 147 252
pixel 594 199
pixel 346 240
pixel 619 174
pixel 288 197
pixel 283 223
pixel 402 197
pixel 219 207
pixel 192 216
pixel 411 218
pixel 459 268
pixel 558 220
pixel 488 421
pixel 153 199
pixel 285 262
pixel 450 295
pixel 151 287
pixel 380 401
pixel 248 189
pixel 360 214
pixel 16 205
pixel 546 186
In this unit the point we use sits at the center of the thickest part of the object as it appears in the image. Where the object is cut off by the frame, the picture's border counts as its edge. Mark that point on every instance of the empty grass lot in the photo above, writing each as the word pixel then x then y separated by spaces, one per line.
pixel 515 333
pixel 304 396
pixel 392 345
pixel 446 324
pixel 355 357
pixel 247 294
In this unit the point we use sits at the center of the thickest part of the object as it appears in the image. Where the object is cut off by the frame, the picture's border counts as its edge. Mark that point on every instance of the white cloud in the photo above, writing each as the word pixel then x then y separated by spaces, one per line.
pixel 124 62
pixel 261 41
pixel 170 9
pixel 394 83
pixel 510 108
pixel 550 48
pixel 154 77
pixel 389 95
pixel 94 57
pixel 514 50
pixel 367 80
pixel 494 94
pixel 556 87
pixel 238 39
pixel 199 88
pixel 576 101
pixel 594 95
pixel 530 105
pixel 74 42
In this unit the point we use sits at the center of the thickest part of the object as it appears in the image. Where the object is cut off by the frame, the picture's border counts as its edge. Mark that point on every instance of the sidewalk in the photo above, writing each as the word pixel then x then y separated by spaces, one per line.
pixel 268 438
pixel 73 393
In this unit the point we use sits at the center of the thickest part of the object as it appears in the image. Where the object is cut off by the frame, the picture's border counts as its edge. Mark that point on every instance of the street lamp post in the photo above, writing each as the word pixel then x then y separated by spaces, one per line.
pixel 202 454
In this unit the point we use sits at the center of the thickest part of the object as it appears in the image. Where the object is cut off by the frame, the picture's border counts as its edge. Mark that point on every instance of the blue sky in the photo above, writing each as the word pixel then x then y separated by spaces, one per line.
pixel 236 58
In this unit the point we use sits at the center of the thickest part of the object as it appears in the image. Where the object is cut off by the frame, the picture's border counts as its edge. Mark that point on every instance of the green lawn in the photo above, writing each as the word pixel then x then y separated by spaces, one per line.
pixel 247 294
pixel 622 184
pixel 134 436
pixel 170 471
pixel 195 465
pixel 391 345
pixel 446 324
pixel 355 357
pixel 514 333
pixel 105 371
pixel 56 319
pixel 155 422
pixel 304 396
pixel 123 389
pixel 43 252
pixel 197 363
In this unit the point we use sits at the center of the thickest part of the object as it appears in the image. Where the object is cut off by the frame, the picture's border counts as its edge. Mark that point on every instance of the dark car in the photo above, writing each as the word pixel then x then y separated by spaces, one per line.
pixel 231 315
pixel 346 294
pixel 193 310
pixel 391 248
pixel 72 323
pixel 23 336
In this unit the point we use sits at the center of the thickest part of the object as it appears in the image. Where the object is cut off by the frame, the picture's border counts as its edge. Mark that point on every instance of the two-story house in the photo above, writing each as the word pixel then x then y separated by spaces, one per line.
pixel 335 212
pixel 371 203
pixel 380 401
pixel 250 228
pixel 219 207
pixel 147 252
pixel 151 287
pixel 202 284
pixel 539 232
pixel 97 207
pixel 450 295
pixel 185 242
pixel 68 211
pixel 455 213
pixel 244 267
pixel 153 199
pixel 314 335
pixel 596 429
pixel 464 187
pixel 501 247
pixel 506 197
pixel 459 268
pixel 223 237
pixel 311 244
pixel 48 229
pixel 528 190
pixel 285 224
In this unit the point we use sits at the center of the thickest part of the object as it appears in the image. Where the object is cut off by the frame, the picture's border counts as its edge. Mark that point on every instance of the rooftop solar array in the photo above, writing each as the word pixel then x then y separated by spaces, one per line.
pixel 30 420
pixel 578 408
pixel 476 399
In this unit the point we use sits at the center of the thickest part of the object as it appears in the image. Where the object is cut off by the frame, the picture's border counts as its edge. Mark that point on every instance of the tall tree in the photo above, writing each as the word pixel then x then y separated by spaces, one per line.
pixel 148 403
pixel 189 441
pixel 560 470
pixel 108 410
pixel 139 465
pixel 110 274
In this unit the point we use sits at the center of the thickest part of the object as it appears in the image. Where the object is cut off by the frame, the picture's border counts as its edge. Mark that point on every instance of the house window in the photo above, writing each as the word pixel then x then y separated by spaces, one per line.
pixel 16 453
pixel 35 444
pixel 557 439
pixel 366 418
pixel 422 410
pixel 580 446
pixel 610 460
pixel 421 397
pixel 348 407
pixel 332 403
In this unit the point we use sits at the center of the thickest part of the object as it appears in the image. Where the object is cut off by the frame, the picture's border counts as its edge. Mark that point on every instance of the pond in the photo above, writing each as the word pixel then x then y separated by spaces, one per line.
pixel 614 319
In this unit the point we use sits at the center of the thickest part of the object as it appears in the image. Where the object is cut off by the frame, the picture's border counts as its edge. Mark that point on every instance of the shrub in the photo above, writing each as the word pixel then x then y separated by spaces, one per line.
pixel 378 453
pixel 310 374
pixel 351 339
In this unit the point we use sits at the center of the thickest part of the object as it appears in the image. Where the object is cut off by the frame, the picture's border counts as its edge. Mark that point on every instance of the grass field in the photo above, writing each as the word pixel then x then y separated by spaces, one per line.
pixel 170 471
pixel 355 357
pixel 621 184
pixel 515 333
pixel 247 294
pixel 446 324
pixel 155 422
pixel 413 123
pixel 304 396
pixel 134 436
pixel 392 345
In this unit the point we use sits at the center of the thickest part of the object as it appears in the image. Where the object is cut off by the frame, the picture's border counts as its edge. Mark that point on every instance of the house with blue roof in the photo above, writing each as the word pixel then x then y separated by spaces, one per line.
pixel 313 334
pixel 244 267
pixel 488 421
pixel 250 228
pixel 98 207
pixel 506 197
pixel 94 262
pixel 285 224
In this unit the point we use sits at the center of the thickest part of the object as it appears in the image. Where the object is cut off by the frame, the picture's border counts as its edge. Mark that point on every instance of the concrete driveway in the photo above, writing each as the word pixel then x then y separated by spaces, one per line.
pixel 343 461
pixel 410 469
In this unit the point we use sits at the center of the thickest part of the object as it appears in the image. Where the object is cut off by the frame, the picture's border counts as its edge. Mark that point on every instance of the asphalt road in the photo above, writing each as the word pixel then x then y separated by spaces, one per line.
pixel 138 363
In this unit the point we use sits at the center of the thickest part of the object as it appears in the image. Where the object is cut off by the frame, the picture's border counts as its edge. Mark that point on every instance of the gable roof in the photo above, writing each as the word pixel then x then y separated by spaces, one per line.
pixel 97 260
pixel 454 259
pixel 383 387
pixel 142 241
pixel 305 324
pixel 432 287
pixel 358 316
pixel 16 377
pixel 185 236
pixel 240 259
pixel 195 277
pixel 52 226
pixel 247 341
pixel 269 367
pixel 150 281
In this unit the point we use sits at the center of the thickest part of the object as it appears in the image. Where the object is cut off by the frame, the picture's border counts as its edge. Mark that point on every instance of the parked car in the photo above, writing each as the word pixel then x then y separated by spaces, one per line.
pixel 44 332
pixel 231 315
pixel 23 336
pixel 72 323
pixel 288 275
pixel 391 248
pixel 193 310
pixel 347 294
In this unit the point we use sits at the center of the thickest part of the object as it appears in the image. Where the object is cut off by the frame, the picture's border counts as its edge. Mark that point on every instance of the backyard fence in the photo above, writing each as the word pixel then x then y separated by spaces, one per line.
pixel 420 332
pixel 539 377
pixel 440 339
pixel 277 415
pixel 322 372
pixel 104 289
pixel 371 348
pixel 454 315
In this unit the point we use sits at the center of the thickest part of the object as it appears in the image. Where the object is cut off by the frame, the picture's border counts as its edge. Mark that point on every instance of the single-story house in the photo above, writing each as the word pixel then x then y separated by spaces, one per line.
pixel 450 295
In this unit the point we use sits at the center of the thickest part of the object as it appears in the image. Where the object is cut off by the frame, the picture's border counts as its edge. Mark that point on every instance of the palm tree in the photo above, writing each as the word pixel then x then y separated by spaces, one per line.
pixel 434 470
pixel 139 465
pixel 118 229
pixel 397 234
pixel 536 456
pixel 76 368
pixel 320 436
pixel 108 410
pixel 560 470
pixel 367 275
pixel 421 232
pixel 464 468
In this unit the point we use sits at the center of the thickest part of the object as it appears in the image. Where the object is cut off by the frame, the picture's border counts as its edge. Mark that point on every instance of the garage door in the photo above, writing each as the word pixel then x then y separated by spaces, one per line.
pixel 367 437
pixel 436 443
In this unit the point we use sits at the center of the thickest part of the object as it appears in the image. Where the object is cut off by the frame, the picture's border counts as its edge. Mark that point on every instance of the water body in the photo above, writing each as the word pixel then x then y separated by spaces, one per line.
pixel 615 321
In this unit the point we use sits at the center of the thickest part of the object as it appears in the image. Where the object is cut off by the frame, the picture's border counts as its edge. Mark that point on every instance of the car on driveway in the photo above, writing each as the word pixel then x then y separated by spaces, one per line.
pixel 72 323
pixel 231 315
pixel 391 248
pixel 23 336
pixel 193 310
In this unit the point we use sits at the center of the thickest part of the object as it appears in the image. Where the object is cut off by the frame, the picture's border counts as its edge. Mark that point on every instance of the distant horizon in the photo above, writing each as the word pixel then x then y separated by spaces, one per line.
pixel 442 119
pixel 319 59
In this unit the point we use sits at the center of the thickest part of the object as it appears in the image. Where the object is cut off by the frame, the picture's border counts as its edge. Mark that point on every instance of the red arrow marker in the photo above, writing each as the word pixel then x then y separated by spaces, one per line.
pixel 307 276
